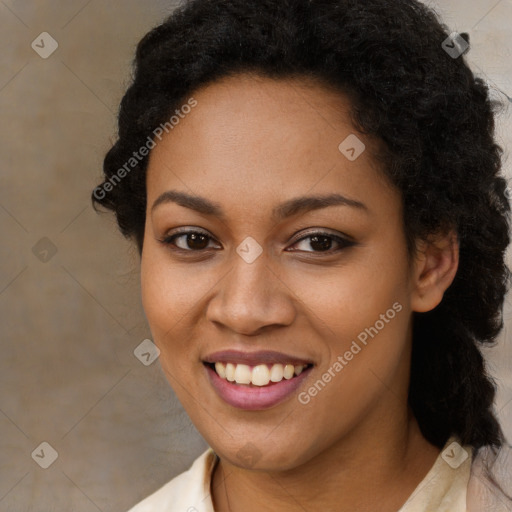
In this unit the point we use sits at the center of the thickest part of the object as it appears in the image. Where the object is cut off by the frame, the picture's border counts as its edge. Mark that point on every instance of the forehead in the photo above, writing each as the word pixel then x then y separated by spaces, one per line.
pixel 253 136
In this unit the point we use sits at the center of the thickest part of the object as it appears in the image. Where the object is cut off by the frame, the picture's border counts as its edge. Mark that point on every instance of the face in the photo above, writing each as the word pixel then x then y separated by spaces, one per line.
pixel 239 268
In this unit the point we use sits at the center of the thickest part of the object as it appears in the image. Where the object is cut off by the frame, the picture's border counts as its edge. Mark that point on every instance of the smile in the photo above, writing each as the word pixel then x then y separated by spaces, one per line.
pixel 255 380
pixel 258 375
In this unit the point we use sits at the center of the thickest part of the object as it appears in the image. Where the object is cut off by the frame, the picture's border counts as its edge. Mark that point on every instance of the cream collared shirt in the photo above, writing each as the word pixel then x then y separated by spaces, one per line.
pixel 444 488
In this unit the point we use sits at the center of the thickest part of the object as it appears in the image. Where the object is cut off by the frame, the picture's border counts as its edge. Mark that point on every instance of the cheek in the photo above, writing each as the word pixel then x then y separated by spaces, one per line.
pixel 168 290
pixel 362 316
pixel 168 298
pixel 169 295
pixel 347 301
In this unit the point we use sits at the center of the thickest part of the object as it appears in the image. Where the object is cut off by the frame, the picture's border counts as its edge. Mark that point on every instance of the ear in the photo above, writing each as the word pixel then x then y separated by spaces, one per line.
pixel 434 269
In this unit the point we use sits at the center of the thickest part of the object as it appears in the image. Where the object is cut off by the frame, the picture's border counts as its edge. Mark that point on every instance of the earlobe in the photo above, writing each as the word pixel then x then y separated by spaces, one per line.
pixel 433 271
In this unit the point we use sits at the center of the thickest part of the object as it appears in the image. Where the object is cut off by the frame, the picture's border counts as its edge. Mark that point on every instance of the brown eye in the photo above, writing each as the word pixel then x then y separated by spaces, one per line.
pixel 191 241
pixel 196 241
pixel 323 242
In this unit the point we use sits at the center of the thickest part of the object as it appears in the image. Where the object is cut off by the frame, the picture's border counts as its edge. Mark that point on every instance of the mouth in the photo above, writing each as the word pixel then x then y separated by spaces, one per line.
pixel 255 381
pixel 258 375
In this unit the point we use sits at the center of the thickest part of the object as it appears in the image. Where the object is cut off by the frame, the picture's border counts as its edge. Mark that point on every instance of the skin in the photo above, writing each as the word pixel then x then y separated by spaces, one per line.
pixel 250 144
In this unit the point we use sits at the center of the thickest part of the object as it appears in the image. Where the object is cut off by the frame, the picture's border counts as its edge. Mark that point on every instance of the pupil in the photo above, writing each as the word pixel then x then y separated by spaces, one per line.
pixel 326 245
pixel 197 241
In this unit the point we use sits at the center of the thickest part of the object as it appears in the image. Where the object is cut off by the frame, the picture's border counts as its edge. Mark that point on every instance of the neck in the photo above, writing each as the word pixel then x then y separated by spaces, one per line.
pixel 364 471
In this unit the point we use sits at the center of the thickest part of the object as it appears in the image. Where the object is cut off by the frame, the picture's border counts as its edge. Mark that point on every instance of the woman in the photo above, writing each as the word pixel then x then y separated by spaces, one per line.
pixel 314 190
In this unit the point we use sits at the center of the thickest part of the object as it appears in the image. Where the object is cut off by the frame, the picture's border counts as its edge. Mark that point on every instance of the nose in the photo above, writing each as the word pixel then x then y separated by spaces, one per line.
pixel 252 297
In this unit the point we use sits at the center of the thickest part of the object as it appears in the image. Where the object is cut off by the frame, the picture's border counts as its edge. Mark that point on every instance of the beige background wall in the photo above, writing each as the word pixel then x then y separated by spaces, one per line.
pixel 70 313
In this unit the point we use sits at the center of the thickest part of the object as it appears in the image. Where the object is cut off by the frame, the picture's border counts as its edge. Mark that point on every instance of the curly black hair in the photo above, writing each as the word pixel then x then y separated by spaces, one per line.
pixel 434 118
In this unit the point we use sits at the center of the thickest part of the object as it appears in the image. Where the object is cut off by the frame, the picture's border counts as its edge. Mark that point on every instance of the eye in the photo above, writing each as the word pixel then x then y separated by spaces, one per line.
pixel 191 240
pixel 321 241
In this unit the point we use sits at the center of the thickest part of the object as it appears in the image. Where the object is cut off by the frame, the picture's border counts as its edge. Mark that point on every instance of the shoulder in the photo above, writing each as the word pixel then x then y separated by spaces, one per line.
pixel 187 492
pixel 490 483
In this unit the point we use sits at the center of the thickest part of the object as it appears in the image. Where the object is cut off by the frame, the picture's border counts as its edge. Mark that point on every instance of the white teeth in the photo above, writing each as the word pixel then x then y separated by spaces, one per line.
pixel 230 372
pixel 259 375
pixel 288 371
pixel 221 370
pixel 242 374
pixel 277 373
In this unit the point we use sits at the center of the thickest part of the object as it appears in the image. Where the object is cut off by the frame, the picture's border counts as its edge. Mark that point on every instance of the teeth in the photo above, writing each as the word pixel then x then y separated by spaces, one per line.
pixel 259 375
pixel 288 371
pixel 242 374
pixel 230 372
pixel 276 373
pixel 221 370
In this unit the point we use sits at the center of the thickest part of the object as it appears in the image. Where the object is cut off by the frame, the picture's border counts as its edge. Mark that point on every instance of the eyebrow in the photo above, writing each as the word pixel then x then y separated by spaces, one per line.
pixel 282 211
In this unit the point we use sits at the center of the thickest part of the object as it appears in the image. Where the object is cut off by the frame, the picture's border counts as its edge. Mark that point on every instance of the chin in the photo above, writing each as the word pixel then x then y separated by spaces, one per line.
pixel 262 455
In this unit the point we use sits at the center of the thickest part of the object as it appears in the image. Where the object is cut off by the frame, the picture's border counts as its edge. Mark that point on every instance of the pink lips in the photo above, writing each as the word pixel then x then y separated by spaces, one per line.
pixel 251 397
pixel 254 358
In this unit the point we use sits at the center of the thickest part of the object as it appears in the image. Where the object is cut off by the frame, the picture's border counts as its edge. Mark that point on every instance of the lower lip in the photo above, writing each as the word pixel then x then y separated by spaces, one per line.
pixel 255 398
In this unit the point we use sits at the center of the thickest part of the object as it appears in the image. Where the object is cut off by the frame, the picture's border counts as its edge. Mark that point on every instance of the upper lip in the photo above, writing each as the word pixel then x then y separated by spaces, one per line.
pixel 254 358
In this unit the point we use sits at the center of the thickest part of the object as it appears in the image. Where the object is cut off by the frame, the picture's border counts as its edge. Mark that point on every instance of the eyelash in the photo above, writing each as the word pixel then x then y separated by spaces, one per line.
pixel 169 241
